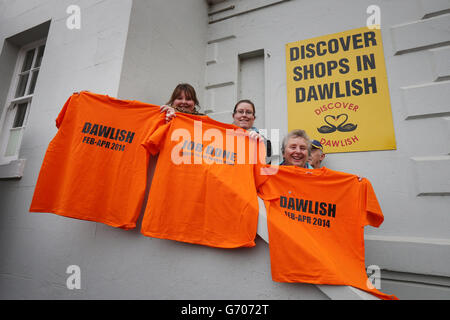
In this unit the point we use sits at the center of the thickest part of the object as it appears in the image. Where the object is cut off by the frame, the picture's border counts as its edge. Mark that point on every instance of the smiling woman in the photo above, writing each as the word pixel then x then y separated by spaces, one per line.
pixel 296 148
pixel 244 117
pixel 183 99
pixel 244 114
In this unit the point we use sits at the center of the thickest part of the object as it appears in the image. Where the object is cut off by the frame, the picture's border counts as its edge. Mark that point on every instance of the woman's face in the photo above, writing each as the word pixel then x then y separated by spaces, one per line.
pixel 184 102
pixel 244 116
pixel 296 152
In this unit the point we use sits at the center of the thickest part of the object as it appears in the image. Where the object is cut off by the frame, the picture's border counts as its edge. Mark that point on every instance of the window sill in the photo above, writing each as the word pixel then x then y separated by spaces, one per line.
pixel 12 170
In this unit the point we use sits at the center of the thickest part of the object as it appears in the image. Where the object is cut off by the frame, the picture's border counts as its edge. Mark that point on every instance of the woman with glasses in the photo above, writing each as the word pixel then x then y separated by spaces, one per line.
pixel 244 116
pixel 184 100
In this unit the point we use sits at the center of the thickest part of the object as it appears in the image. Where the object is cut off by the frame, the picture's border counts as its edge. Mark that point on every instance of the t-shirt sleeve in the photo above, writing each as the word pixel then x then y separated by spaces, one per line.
pixel 372 214
pixel 63 111
pixel 155 138
pixel 262 175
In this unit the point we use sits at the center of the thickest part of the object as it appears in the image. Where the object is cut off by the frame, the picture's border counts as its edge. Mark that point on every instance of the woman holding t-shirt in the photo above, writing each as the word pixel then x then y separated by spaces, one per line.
pixel 183 99
pixel 244 115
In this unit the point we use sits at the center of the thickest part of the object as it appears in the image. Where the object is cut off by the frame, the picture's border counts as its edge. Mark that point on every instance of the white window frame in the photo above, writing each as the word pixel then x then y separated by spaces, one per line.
pixel 8 115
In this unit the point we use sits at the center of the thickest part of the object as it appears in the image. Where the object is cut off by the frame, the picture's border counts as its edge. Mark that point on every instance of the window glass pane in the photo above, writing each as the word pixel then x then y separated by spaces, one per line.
pixel 13 142
pixel 34 76
pixel 23 79
pixel 20 115
pixel 39 56
pixel 28 60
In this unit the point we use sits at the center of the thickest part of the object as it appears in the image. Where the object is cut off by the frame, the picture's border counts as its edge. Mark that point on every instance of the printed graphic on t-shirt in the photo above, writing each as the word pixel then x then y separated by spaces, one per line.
pixel 207 153
pixel 106 136
pixel 315 213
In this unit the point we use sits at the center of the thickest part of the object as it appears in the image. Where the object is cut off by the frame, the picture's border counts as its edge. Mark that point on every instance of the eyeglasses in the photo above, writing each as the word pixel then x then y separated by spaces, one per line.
pixel 250 113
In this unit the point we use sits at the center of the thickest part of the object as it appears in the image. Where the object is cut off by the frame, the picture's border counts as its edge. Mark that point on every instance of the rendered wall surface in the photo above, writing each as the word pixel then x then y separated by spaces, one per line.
pixel 38 248
pixel 411 182
pixel 165 46
pixel 141 50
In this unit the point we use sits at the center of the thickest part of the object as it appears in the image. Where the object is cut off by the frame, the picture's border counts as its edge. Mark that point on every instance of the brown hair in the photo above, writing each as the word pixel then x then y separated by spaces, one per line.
pixel 188 90
pixel 245 101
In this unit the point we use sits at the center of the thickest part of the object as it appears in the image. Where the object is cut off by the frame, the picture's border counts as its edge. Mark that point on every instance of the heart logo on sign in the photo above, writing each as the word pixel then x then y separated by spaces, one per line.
pixel 334 124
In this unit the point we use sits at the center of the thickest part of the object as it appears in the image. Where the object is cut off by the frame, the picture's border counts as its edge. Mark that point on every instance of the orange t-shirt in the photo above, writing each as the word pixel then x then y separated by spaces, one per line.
pixel 203 189
pixel 95 167
pixel 316 220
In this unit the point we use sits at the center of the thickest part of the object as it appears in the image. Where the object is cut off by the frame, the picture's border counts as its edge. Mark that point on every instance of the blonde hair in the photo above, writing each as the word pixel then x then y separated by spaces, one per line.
pixel 297 133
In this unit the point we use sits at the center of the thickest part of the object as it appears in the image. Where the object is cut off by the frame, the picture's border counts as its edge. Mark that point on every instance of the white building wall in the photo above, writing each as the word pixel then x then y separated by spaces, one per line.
pixel 141 50
pixel 37 249
pixel 118 51
pixel 165 46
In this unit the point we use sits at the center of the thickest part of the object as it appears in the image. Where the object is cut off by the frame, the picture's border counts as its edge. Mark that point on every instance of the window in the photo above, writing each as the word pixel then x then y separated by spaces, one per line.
pixel 17 108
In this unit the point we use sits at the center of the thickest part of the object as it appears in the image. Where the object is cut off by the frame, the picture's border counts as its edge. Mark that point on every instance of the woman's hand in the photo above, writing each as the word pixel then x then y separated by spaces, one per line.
pixel 255 135
pixel 170 112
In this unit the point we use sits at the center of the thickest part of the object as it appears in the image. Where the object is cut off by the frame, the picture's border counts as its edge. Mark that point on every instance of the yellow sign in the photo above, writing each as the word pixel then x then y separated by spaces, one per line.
pixel 338 92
